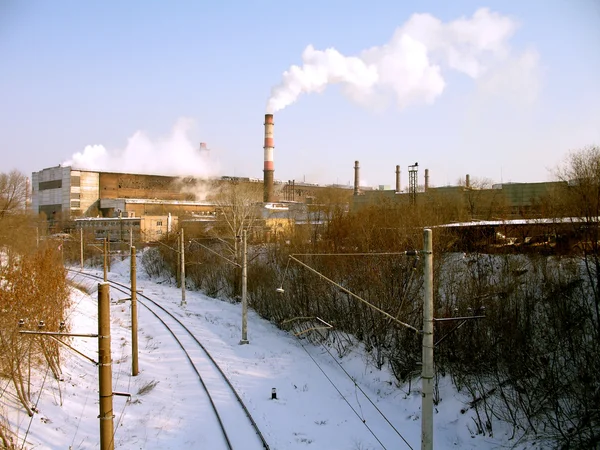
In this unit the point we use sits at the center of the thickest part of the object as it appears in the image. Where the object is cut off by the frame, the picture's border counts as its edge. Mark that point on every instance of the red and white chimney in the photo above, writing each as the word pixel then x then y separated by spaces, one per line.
pixel 269 167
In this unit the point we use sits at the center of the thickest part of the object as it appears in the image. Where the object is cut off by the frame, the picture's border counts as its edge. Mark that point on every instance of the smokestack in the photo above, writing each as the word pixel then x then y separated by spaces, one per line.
pixel 426 179
pixel 204 149
pixel 356 178
pixel 269 168
pixel 397 179
pixel 467 181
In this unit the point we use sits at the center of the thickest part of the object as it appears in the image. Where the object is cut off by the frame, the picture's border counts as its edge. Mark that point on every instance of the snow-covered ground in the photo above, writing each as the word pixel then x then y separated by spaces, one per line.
pixel 318 405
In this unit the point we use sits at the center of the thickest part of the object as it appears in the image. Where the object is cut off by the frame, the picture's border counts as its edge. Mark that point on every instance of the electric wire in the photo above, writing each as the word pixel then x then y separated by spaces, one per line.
pixel 79 421
pixel 350 254
pixel 349 292
pixel 119 421
pixel 367 397
pixel 342 395
pixel 35 408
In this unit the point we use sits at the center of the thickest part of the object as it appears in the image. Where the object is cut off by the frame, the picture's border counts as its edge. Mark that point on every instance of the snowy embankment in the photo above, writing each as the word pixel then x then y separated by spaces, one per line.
pixel 318 405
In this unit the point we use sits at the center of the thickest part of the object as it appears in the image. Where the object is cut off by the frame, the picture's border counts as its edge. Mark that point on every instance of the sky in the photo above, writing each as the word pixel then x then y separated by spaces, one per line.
pixel 322 399
pixel 501 90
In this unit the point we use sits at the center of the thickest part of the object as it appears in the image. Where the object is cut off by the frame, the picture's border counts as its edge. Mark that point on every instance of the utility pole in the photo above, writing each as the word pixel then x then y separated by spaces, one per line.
pixel 81 245
pixel 183 302
pixel 108 252
pixel 105 260
pixel 105 369
pixel 130 236
pixel 134 324
pixel 427 373
pixel 178 258
pixel 244 290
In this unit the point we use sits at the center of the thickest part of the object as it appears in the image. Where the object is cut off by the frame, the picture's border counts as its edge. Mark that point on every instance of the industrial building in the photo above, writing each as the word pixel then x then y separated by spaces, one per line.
pixel 502 200
pixel 149 206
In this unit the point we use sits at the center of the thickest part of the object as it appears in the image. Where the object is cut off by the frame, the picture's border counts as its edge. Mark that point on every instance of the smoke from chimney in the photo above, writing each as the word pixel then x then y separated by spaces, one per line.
pixel 175 155
pixel 269 169
pixel 409 65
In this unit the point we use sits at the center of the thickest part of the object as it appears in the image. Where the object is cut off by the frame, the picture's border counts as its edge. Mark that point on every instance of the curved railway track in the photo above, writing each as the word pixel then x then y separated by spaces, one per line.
pixel 210 375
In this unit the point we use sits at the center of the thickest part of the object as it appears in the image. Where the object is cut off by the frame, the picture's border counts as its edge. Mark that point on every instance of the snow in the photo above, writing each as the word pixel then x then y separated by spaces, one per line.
pixel 168 408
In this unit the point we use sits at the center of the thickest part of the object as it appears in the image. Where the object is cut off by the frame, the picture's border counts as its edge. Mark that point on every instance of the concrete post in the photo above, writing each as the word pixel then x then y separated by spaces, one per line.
pixel 134 323
pixel 427 374
pixel 81 246
pixel 105 260
pixel 244 290
pixel 178 273
pixel 105 369
pixel 183 302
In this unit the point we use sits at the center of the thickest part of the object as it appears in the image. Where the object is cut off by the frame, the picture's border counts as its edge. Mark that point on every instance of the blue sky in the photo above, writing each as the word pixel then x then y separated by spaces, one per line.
pixel 115 74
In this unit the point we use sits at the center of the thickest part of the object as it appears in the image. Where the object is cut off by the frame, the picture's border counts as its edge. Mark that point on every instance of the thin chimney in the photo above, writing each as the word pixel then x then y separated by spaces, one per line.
pixel 397 179
pixel 356 178
pixel 468 181
pixel 426 179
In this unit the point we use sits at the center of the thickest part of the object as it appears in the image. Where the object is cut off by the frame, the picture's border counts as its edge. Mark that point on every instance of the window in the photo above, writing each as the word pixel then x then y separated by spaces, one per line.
pixel 54 184
pixel 159 223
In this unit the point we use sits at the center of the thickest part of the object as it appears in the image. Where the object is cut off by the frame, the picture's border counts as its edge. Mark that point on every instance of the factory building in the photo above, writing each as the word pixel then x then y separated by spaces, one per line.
pixel 505 200
pixel 148 204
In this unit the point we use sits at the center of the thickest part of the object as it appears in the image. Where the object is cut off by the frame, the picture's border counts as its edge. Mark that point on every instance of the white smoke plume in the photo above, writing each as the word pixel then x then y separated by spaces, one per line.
pixel 174 155
pixel 410 65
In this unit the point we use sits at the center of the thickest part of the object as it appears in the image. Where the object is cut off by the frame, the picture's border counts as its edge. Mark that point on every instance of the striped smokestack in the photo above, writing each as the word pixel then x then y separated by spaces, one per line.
pixel 269 169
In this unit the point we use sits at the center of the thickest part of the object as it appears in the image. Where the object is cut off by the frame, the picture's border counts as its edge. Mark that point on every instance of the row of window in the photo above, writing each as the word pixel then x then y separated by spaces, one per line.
pixel 92 224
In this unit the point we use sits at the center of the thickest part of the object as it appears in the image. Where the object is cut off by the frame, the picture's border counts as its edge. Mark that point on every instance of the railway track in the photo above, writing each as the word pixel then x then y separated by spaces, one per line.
pixel 230 419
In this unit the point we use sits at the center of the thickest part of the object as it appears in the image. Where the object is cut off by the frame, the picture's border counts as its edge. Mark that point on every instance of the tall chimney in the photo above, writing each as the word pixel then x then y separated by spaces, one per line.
pixel 269 168
pixel 203 149
pixel 467 181
pixel 426 179
pixel 397 179
pixel 356 178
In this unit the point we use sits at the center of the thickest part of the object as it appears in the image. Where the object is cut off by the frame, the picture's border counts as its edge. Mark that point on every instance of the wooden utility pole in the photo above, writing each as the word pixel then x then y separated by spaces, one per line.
pixel 427 371
pixel 244 290
pixel 183 302
pixel 81 246
pixel 105 369
pixel 105 260
pixel 134 324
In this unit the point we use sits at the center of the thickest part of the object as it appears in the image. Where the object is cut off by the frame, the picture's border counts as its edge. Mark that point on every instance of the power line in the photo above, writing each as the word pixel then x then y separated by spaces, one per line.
pixel 35 408
pixel 367 397
pixel 342 395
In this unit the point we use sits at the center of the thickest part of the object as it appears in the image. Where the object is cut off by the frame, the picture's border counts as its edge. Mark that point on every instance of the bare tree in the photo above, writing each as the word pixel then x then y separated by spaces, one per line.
pixel 237 209
pixel 13 192
pixel 581 200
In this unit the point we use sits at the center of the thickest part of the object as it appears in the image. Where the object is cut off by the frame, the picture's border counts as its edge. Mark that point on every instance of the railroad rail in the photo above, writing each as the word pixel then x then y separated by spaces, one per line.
pixel 198 361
